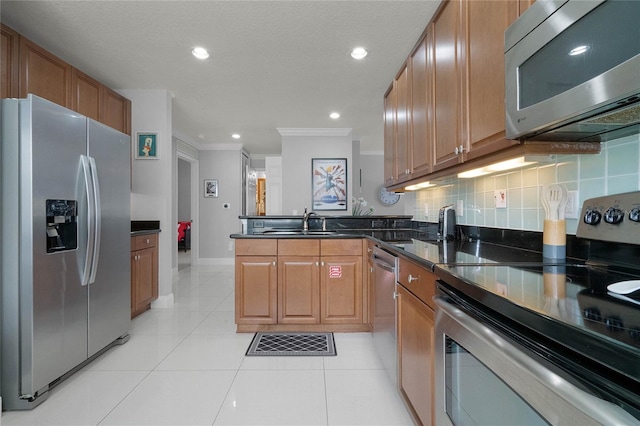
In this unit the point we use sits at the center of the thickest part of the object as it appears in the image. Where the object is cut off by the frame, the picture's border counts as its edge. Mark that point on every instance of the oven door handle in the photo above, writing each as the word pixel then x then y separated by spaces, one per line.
pixel 500 355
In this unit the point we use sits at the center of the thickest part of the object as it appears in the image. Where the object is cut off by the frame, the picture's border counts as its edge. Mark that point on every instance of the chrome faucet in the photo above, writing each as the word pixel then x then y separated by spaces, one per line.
pixel 305 219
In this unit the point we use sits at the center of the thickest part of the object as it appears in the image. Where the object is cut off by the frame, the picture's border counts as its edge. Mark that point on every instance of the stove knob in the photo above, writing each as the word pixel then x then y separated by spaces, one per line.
pixel 613 216
pixel 614 324
pixel 592 217
pixel 634 214
pixel 592 314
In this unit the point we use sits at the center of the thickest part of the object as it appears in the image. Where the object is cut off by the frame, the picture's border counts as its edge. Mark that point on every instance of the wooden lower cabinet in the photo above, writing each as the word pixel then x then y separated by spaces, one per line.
pixel 416 333
pixel 288 284
pixel 144 272
pixel 341 290
pixel 298 290
pixel 256 290
pixel 416 338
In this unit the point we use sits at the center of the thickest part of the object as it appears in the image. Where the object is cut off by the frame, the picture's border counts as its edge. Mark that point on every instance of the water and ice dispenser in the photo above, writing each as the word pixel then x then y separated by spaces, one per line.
pixel 62 225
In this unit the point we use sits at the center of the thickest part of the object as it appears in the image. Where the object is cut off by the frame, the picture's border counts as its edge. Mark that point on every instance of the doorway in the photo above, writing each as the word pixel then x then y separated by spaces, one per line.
pixel 187 210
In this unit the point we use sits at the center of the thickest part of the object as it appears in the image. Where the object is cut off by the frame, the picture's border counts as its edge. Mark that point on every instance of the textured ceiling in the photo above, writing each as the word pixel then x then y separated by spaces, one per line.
pixel 274 64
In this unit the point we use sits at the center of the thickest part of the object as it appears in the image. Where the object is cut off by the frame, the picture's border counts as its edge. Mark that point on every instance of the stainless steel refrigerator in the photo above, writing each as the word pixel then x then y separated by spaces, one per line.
pixel 65 241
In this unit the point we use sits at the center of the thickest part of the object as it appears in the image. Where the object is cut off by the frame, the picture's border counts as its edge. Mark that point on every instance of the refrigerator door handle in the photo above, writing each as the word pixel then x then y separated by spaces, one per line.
pixel 88 183
pixel 97 215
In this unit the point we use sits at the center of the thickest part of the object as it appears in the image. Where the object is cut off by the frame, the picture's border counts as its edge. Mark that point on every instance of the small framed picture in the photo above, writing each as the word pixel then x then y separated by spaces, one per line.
pixel 211 188
pixel 147 146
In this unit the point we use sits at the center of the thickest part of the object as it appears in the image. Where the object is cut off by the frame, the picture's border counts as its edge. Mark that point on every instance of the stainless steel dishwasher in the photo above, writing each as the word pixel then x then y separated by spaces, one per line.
pixel 385 267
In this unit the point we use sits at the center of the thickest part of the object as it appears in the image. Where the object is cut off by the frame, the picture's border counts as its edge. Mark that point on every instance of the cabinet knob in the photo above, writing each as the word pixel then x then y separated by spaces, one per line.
pixel 412 278
pixel 456 151
pixel 146 241
pixel 273 263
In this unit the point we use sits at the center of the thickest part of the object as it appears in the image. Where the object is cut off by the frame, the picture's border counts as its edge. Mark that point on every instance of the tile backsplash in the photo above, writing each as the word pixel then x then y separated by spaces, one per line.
pixel 613 170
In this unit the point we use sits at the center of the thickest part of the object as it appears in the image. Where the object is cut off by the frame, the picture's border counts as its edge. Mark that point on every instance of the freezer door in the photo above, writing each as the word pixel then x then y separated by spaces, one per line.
pixel 110 284
pixel 53 303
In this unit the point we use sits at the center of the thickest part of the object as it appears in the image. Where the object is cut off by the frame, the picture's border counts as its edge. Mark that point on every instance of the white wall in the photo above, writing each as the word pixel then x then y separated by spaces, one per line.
pixel 372 165
pixel 216 222
pixel 299 146
pixel 152 180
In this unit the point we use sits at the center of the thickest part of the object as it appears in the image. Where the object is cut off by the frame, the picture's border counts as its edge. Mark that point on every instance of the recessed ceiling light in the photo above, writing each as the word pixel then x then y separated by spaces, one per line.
pixel 334 115
pixel 200 52
pixel 359 53
pixel 235 136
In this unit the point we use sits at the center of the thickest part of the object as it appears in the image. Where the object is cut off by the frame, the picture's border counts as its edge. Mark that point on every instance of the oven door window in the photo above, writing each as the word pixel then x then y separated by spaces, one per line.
pixel 474 395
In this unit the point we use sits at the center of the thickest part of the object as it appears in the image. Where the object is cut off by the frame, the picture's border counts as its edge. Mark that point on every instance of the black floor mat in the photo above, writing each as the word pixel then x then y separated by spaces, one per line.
pixel 292 344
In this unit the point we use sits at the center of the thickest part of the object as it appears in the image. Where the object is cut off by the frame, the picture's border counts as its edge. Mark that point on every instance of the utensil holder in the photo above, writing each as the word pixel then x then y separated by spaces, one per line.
pixel 554 239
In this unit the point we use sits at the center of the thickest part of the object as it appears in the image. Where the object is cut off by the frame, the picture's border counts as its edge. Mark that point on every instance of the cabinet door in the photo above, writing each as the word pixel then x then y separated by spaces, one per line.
pixel 485 24
pixel 390 107
pixel 416 335
pixel 402 122
pixel 116 111
pixel 298 290
pixel 421 138
pixel 341 290
pixel 43 74
pixel 256 289
pixel 9 59
pixel 85 97
pixel 147 276
pixel 446 85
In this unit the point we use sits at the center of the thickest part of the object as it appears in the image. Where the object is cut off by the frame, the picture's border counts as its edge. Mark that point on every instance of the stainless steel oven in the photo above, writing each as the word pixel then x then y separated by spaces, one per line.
pixel 488 372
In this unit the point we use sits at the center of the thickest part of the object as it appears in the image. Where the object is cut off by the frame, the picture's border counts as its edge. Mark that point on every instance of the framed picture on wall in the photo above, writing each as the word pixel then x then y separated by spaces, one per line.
pixel 211 188
pixel 147 146
pixel 329 183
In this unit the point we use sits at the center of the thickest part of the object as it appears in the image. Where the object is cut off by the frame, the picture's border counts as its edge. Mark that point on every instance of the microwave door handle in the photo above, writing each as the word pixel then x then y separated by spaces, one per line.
pixel 97 215
pixel 88 188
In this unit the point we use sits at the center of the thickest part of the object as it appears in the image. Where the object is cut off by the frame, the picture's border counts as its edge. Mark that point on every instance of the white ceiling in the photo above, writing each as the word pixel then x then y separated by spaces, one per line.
pixel 274 64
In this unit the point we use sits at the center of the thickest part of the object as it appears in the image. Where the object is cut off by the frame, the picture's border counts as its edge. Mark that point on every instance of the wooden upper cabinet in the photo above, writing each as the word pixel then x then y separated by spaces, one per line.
pixel 483 60
pixel 116 111
pixel 85 97
pixel 44 74
pixel 421 124
pixel 402 122
pixel 390 135
pixel 524 5
pixel 446 85
pixel 9 57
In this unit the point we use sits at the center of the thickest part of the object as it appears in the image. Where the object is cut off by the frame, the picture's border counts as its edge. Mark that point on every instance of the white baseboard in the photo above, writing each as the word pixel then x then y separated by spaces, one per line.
pixel 215 261
pixel 163 302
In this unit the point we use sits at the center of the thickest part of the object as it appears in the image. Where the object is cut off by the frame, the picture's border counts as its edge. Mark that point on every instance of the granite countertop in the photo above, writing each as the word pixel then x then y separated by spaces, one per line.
pixel 143 227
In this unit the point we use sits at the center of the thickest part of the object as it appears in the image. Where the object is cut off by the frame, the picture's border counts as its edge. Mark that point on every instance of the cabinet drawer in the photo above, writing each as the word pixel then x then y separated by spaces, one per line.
pixel 349 247
pixel 140 242
pixel 418 280
pixel 299 247
pixel 256 247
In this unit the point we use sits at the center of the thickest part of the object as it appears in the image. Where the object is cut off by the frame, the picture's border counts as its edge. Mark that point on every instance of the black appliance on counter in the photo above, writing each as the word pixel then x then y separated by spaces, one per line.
pixel 545 343
pixel 447 223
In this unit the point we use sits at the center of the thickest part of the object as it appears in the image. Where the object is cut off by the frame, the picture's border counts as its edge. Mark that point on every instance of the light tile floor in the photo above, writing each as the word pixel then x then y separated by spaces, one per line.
pixel 186 366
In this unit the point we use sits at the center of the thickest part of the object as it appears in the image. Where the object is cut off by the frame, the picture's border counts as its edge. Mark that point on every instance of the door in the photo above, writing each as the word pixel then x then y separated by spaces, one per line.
pixel 53 303
pixel 109 294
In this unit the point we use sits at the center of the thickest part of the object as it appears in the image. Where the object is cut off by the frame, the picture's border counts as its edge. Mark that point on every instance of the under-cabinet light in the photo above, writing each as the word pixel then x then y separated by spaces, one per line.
pixel 418 186
pixel 497 167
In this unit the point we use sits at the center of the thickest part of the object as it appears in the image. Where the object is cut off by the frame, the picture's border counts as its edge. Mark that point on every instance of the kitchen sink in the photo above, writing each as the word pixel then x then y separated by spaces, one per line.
pixel 298 232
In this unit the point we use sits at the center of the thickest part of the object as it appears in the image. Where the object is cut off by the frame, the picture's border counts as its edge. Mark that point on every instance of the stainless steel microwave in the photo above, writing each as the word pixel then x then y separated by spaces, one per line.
pixel 572 70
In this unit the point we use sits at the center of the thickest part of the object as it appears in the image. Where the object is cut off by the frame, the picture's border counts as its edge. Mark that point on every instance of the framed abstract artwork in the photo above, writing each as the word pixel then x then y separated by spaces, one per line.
pixel 329 183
